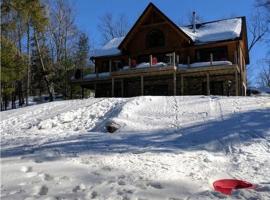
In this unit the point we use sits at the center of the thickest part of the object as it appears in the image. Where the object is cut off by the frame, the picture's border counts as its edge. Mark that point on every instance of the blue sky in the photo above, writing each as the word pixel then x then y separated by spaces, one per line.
pixel 88 12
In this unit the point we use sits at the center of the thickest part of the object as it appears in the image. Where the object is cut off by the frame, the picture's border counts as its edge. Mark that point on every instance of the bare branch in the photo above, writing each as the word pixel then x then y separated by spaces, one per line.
pixel 111 28
pixel 263 3
pixel 258 29
pixel 264 76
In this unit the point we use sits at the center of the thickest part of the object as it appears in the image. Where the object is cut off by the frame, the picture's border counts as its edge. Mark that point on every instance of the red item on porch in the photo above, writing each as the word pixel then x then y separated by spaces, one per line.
pixel 154 61
pixel 133 63
pixel 226 186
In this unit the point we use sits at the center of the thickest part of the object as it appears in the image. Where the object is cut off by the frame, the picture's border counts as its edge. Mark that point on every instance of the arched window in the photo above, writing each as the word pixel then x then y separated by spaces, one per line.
pixel 155 38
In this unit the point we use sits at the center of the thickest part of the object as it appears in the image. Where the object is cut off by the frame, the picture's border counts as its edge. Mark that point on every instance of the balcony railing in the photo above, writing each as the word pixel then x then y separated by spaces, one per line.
pixel 155 62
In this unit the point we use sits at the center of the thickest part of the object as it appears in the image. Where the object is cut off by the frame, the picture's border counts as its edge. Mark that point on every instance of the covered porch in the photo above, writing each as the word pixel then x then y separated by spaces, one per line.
pixel 170 80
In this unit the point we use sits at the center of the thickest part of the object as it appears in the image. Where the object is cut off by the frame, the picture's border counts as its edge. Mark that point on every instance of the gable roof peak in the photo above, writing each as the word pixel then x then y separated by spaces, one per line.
pixel 152 6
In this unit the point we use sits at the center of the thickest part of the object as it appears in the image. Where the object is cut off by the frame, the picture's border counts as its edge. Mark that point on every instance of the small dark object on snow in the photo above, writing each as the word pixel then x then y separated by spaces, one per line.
pixel 226 186
pixel 112 126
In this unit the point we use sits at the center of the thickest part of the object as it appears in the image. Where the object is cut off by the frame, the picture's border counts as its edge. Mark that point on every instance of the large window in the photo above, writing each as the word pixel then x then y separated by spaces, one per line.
pixel 155 38
pixel 219 54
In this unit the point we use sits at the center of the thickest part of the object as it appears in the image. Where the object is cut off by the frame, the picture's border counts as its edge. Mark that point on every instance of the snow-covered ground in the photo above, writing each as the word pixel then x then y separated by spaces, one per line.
pixel 167 148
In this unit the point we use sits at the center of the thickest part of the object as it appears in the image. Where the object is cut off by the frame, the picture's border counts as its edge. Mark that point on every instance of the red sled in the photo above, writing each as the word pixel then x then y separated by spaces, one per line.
pixel 226 186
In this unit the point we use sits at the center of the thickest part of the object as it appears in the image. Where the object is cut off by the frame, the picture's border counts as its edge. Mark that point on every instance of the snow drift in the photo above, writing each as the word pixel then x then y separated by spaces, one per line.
pixel 166 148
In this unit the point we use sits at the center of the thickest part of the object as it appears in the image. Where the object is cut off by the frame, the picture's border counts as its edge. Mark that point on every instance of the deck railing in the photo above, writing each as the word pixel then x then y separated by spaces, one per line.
pixel 170 59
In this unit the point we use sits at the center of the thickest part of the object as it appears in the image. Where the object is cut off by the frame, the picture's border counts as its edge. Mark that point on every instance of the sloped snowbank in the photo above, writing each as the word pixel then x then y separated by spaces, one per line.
pixel 167 148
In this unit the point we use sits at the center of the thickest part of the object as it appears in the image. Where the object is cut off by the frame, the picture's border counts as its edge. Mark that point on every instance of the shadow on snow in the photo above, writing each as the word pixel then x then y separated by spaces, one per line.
pixel 218 135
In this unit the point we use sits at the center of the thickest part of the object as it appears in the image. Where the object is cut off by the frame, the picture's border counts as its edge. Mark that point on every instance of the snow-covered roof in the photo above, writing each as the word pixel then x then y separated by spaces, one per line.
pixel 215 31
pixel 109 49
pixel 227 29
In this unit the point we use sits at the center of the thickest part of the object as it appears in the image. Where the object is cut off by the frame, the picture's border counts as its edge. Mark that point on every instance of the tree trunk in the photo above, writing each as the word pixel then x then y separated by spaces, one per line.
pixel 46 79
pixel 29 63
pixel 1 98
pixel 19 84
pixel 5 102
pixel 13 100
pixel 19 91
pixel 13 96
pixel 66 92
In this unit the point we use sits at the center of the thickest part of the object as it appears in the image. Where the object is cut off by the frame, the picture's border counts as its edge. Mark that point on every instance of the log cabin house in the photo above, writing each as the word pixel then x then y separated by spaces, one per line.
pixel 157 57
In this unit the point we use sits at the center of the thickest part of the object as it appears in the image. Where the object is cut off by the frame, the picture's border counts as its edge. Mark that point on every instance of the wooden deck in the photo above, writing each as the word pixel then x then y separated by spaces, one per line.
pixel 155 71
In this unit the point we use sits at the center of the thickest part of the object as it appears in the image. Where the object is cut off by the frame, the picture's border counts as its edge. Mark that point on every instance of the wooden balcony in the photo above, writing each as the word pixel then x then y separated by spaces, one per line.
pixel 154 68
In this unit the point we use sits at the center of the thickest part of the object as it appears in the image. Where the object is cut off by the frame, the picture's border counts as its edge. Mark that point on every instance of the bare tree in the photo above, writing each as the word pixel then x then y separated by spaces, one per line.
pixel 263 3
pixel 264 75
pixel 258 28
pixel 111 27
pixel 45 75
pixel 61 26
pixel 61 34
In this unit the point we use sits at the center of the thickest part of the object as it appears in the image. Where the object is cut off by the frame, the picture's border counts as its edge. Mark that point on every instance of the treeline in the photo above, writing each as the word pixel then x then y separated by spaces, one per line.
pixel 40 44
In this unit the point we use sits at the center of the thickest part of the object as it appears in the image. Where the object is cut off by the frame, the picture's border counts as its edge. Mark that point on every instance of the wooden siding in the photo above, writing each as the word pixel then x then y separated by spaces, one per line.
pixel 168 80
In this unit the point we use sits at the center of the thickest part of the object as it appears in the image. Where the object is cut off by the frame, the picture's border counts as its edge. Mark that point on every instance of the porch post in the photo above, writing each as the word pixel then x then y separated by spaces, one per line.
pixel 112 87
pixel 235 57
pixel 188 61
pixel 174 83
pixel 211 59
pixel 182 85
pixel 239 57
pixel 245 89
pixel 97 72
pixel 173 61
pixel 142 85
pixel 122 88
pixel 129 61
pixel 208 84
pixel 150 59
pixel 110 65
pixel 236 83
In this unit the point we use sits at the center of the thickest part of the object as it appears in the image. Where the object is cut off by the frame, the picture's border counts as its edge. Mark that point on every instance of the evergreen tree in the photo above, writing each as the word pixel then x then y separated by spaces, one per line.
pixel 82 52
pixel 12 70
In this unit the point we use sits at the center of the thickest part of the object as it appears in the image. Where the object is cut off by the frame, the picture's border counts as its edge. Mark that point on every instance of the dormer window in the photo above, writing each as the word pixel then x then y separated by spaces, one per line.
pixel 155 38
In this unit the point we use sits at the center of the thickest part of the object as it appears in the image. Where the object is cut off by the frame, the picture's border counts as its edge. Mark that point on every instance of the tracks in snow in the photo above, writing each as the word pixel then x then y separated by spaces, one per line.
pixel 176 109
pixel 215 107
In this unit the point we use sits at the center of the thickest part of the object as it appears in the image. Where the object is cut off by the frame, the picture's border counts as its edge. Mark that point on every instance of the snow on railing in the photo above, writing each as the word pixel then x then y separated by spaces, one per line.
pixel 145 65
pixel 205 64
pixel 159 64
pixel 97 75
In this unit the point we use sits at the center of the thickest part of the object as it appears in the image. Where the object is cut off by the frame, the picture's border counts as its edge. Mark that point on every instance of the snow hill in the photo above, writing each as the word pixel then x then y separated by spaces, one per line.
pixel 167 148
